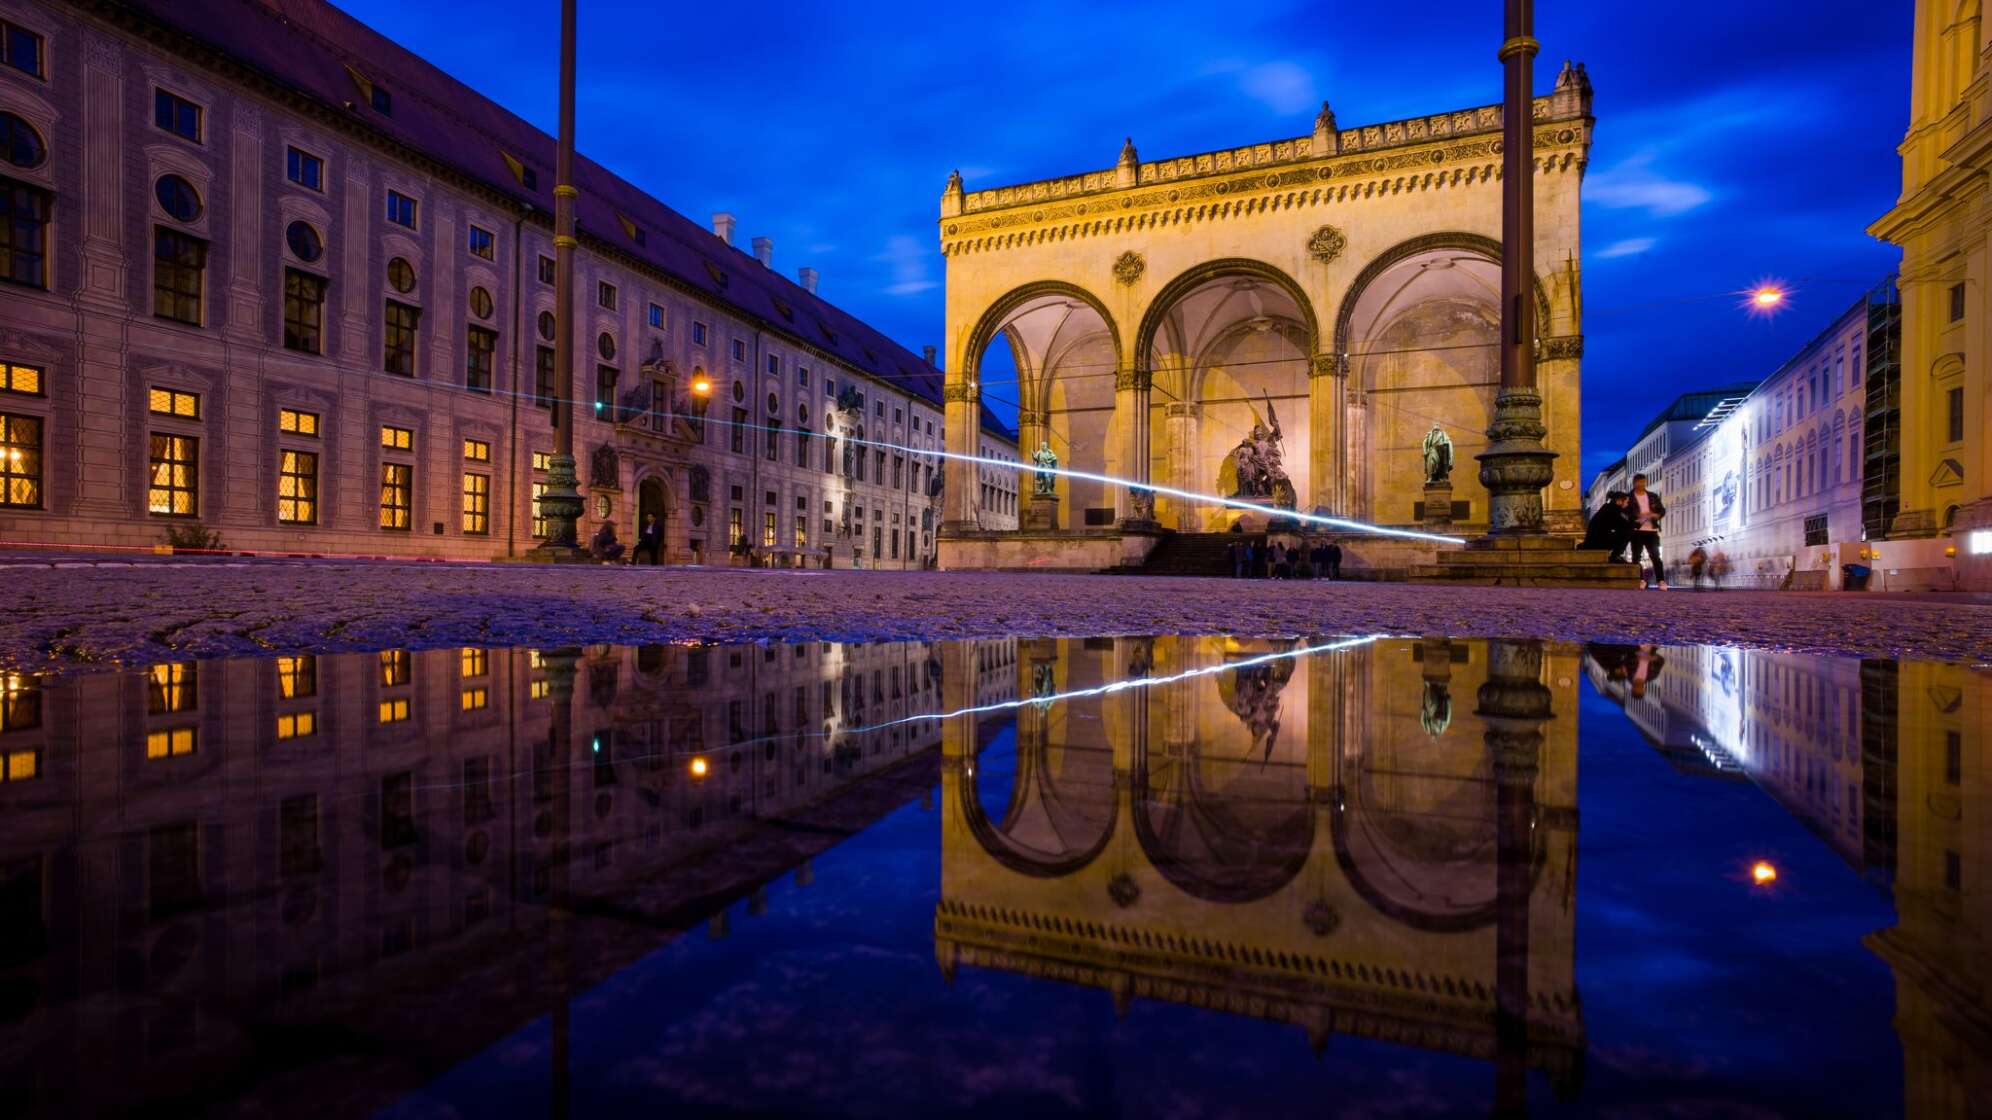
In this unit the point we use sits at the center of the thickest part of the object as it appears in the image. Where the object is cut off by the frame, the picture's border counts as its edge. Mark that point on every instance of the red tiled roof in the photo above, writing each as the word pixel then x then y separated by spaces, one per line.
pixel 317 50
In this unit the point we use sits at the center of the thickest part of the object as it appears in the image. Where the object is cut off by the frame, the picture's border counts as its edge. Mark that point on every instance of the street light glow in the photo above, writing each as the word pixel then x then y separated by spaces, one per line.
pixel 702 386
pixel 699 767
pixel 1766 297
pixel 1762 873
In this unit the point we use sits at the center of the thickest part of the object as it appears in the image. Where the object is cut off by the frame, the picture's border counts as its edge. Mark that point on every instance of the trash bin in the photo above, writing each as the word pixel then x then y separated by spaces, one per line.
pixel 1856 576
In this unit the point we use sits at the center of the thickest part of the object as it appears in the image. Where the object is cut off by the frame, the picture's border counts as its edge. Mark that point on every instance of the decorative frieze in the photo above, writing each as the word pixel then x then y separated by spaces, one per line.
pixel 961 391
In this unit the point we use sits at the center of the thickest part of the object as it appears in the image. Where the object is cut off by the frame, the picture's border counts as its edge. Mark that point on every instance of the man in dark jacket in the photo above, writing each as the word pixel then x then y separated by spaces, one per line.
pixel 649 539
pixel 1608 528
pixel 1644 509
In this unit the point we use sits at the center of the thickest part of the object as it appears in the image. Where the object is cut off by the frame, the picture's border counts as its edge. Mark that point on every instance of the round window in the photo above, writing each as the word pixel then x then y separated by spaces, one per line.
pixel 739 391
pixel 178 198
pixel 480 303
pixel 401 275
pixel 304 242
pixel 546 325
pixel 21 143
pixel 606 346
pixel 698 515
pixel 802 413
pixel 774 404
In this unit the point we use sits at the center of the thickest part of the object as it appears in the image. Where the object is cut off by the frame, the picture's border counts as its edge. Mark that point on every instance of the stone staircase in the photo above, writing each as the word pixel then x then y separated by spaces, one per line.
pixel 1191 554
pixel 1543 561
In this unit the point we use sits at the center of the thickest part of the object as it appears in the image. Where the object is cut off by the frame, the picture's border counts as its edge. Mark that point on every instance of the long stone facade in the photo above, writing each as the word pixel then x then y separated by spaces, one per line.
pixel 1339 287
pixel 273 278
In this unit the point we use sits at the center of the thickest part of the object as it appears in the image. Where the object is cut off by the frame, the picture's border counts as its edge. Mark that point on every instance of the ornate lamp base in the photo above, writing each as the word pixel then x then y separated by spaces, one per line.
pixel 1516 466
pixel 560 506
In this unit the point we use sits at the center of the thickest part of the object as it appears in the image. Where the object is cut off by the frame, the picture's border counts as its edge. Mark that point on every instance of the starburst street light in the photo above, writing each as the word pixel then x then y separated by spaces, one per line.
pixel 1766 297
pixel 702 386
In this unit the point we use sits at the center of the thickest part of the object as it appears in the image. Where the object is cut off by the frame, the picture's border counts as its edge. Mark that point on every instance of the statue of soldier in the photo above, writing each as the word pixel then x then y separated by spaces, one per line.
pixel 1438 449
pixel 1046 459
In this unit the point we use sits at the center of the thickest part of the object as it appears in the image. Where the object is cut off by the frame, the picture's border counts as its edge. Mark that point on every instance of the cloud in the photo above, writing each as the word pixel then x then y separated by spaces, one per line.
pixel 908 259
pixel 1631 185
pixel 1283 86
pixel 1630 247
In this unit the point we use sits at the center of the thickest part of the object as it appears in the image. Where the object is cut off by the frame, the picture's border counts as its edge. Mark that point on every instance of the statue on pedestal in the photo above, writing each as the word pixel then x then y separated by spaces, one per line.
pixel 1045 482
pixel 1438 449
pixel 1259 460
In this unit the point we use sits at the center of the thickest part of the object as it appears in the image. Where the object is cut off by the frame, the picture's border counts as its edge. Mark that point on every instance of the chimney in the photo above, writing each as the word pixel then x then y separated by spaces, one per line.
pixel 807 278
pixel 722 226
pixel 764 251
pixel 928 353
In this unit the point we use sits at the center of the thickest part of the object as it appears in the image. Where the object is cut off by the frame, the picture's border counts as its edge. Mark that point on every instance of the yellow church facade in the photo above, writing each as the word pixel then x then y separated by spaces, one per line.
pixel 1342 287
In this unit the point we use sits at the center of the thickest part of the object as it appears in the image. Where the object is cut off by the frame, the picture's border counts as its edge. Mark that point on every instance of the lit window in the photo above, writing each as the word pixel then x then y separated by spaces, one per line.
pixel 21 766
pixel 297 677
pixel 538 690
pixel 172 687
pixel 173 402
pixel 483 244
pixel 396 439
pixel 397 668
pixel 397 484
pixel 476 503
pixel 297 725
pixel 542 460
pixel 476 451
pixel 21 49
pixel 539 515
pixel 475 699
pixel 20 702
pixel 474 662
pixel 175 476
pixel 304 169
pixel 169 743
pixel 20 461
pixel 400 209
pixel 394 710
pixel 26 380
pixel 297 487
pixel 176 115
pixel 296 422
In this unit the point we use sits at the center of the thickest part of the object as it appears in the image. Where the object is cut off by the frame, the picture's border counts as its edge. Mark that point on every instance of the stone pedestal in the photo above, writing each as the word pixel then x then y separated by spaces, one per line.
pixel 1041 515
pixel 1438 506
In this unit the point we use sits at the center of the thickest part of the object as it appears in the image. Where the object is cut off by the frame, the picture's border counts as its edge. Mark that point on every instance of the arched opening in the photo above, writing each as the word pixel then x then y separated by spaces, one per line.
pixel 653 500
pixel 1420 330
pixel 1049 351
pixel 1227 345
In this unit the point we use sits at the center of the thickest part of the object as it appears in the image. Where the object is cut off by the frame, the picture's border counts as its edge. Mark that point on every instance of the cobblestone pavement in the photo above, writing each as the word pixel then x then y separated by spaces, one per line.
pixel 68 613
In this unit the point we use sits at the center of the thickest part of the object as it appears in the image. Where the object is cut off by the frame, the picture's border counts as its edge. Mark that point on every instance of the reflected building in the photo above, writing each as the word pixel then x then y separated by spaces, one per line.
pixel 219 867
pixel 1377 841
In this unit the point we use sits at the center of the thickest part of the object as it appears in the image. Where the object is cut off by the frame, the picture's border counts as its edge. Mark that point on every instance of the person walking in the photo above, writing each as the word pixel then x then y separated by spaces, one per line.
pixel 649 539
pixel 1334 560
pixel 1645 509
pixel 1697 561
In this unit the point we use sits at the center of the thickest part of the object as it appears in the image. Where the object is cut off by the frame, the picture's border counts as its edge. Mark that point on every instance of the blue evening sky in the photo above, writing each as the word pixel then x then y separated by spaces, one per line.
pixel 1735 141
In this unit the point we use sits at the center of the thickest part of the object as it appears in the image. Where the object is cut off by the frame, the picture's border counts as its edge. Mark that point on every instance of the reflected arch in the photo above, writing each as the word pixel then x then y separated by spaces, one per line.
pixel 1054 824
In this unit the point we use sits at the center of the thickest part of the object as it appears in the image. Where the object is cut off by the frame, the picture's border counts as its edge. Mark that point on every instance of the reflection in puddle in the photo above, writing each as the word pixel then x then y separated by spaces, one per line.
pixel 331 884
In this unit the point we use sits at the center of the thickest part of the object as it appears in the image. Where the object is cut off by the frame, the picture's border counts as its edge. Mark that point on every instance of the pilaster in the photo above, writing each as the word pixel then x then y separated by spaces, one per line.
pixel 104 290
pixel 1327 376
pixel 1131 392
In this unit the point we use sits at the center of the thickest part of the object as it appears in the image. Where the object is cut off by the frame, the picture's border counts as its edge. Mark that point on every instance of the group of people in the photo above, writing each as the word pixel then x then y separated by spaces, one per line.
pixel 1630 518
pixel 1254 560
pixel 649 539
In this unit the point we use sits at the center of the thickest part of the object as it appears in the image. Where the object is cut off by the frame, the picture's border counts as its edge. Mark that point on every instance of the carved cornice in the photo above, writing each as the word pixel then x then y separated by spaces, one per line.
pixel 1129 267
pixel 1562 347
pixel 962 392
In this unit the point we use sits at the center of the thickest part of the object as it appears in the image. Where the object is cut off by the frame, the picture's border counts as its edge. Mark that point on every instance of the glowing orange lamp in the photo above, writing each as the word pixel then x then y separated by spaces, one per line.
pixel 699 767
pixel 1762 873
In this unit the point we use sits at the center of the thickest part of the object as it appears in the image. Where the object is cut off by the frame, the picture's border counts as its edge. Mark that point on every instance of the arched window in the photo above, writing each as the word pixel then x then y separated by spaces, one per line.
pixel 21 145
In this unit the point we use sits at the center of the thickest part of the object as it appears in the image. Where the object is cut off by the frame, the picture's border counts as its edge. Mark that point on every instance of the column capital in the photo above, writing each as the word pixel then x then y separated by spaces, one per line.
pixel 1029 416
pixel 1560 347
pixel 1133 378
pixel 962 391
pixel 1327 365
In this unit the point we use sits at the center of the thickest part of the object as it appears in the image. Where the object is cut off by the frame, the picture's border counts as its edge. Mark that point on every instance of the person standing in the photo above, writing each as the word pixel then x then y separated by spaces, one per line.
pixel 649 539
pixel 1645 509
pixel 1235 553
pixel 1334 560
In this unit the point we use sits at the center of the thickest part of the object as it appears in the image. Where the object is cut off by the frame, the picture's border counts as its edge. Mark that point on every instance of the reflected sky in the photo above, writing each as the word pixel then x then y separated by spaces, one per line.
pixel 1406 876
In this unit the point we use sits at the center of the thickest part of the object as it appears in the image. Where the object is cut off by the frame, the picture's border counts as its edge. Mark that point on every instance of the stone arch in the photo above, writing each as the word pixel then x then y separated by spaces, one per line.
pixel 1404 250
pixel 1199 275
pixel 1008 303
pixel 1035 789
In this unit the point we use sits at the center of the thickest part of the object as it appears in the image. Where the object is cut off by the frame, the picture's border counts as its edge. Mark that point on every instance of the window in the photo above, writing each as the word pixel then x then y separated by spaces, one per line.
pixel 297 677
pixel 739 350
pixel 177 197
pixel 774 366
pixel 542 460
pixel 394 710
pixel 397 484
pixel 297 487
pixel 543 377
pixel 656 314
pixel 482 244
pixel 605 391
pixel 1815 530
pixel 476 503
pixel 179 267
pixel 381 100
pixel 20 461
pixel 546 270
pixel 169 743
pixel 23 233
pixel 401 275
pixel 480 359
pixel 304 169
pixel 738 435
pixel 1956 302
pixel 802 447
pixel 400 209
pixel 175 480
pixel 698 334
pixel 25 380
pixel 605 345
pixel 1954 414
pixel 304 242
pixel 176 115
pixel 173 402
pixel 304 312
pixel 539 516
pixel 605 295
pixel 774 448
pixel 801 531
pixel 476 451
pixel 397 439
pixel 768 529
pixel 21 49
pixel 735 535
pixel 480 303
pixel 399 339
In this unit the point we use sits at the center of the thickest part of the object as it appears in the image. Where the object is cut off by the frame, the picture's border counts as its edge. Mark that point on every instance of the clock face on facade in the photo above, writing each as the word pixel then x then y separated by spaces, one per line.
pixel 602 506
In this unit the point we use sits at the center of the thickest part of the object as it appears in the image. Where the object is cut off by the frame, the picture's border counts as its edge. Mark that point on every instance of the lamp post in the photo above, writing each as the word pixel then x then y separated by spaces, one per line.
pixel 1516 466
pixel 560 503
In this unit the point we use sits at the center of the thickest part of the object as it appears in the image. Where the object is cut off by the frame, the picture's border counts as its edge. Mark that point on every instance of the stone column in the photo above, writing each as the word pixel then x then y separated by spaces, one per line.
pixel 1357 501
pixel 1513 705
pixel 1558 358
pixel 1326 418
pixel 1131 410
pixel 1183 426
pixel 961 419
